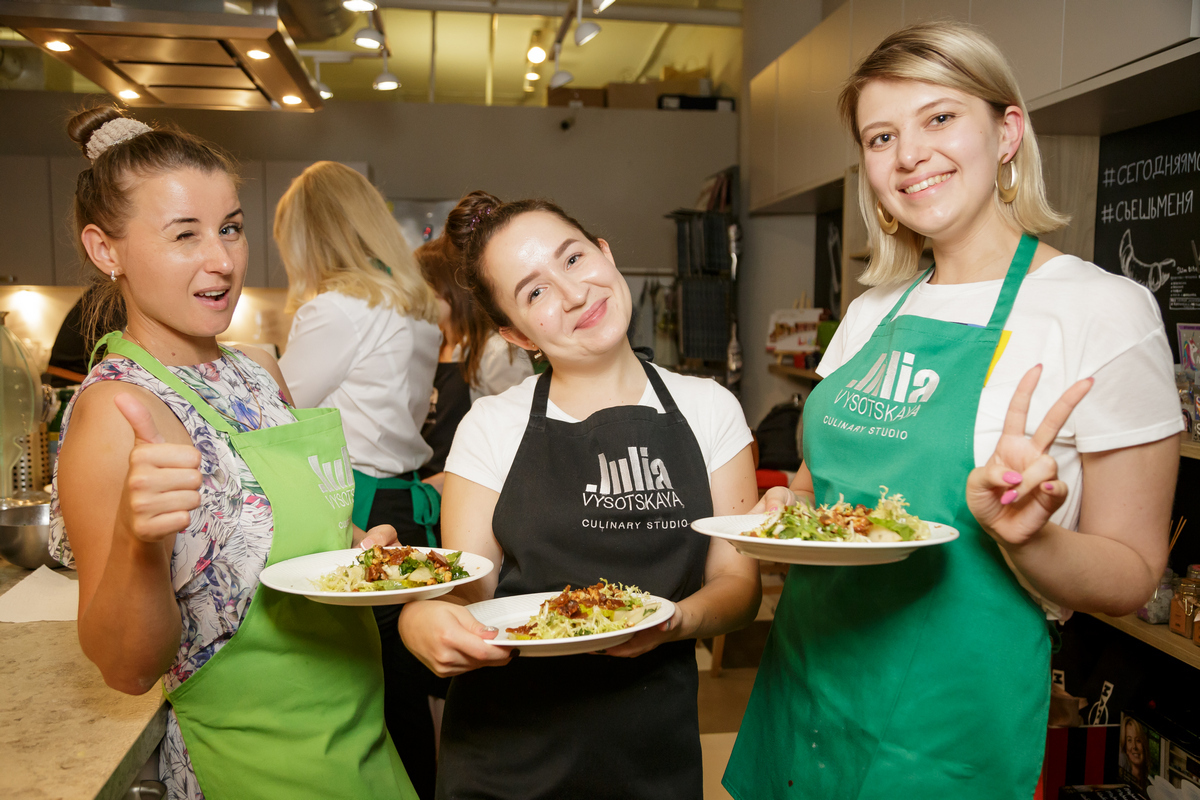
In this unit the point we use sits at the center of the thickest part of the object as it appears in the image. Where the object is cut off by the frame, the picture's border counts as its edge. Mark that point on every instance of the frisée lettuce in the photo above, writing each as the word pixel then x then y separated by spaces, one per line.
pixel 602 608
pixel 888 521
pixel 382 569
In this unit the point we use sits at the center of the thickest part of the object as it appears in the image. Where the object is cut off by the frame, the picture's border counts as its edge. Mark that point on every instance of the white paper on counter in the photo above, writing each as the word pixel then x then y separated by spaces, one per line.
pixel 44 595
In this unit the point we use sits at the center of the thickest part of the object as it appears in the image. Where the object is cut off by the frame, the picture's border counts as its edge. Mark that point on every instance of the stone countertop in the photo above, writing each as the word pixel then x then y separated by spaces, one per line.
pixel 64 735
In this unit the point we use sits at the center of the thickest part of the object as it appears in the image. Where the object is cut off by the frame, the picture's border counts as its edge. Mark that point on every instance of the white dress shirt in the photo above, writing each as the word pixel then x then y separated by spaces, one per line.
pixel 373 365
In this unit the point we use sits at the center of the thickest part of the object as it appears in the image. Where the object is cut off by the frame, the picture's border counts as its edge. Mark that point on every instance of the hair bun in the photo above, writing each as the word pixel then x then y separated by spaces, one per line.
pixel 86 122
pixel 465 217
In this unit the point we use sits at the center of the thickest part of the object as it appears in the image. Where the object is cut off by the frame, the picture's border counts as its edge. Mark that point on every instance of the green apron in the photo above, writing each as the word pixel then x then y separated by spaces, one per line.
pixel 427 503
pixel 292 706
pixel 927 678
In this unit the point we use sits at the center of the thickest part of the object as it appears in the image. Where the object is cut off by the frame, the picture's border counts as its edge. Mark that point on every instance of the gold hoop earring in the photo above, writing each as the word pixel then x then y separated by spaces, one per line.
pixel 889 225
pixel 1007 193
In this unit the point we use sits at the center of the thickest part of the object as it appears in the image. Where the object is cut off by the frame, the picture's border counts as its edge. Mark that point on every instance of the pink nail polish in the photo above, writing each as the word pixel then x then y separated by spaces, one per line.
pixel 1008 497
pixel 1049 487
pixel 1012 477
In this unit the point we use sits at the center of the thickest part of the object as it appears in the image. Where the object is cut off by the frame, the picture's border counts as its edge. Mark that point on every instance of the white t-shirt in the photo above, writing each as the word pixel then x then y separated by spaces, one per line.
pixel 373 365
pixel 1075 319
pixel 500 368
pixel 488 437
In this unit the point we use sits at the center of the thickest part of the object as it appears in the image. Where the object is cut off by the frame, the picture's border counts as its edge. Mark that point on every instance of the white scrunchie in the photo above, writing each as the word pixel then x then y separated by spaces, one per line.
pixel 113 132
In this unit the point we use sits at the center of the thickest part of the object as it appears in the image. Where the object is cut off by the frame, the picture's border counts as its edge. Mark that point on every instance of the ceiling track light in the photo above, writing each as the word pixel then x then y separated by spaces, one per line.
pixel 536 54
pixel 369 39
pixel 584 31
pixel 600 5
pixel 560 77
pixel 365 6
pixel 322 89
pixel 385 81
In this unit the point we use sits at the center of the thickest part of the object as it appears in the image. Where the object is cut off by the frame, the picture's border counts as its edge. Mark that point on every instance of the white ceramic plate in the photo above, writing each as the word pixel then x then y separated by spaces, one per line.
pixel 800 551
pixel 297 576
pixel 512 612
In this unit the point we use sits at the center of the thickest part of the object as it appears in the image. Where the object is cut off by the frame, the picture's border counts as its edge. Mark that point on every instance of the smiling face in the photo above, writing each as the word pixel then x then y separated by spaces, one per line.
pixel 931 153
pixel 562 293
pixel 1135 747
pixel 183 254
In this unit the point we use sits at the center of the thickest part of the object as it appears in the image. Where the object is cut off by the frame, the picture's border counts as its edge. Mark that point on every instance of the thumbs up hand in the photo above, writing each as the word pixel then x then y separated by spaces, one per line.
pixel 163 482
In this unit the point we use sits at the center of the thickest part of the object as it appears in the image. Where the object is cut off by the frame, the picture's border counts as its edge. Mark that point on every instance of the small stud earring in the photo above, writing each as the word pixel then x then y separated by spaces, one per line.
pixel 113 274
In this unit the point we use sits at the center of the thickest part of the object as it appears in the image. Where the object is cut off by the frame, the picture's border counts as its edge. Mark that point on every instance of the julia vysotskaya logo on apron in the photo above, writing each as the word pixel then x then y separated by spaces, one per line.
pixel 892 390
pixel 335 479
pixel 634 483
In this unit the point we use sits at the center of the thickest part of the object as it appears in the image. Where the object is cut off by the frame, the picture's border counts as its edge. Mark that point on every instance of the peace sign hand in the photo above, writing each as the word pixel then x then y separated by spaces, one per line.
pixel 1013 495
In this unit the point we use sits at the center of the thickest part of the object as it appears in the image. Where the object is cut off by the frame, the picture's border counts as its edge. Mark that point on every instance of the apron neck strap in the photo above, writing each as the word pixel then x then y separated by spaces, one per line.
pixel 541 394
pixel 1017 269
pixel 120 346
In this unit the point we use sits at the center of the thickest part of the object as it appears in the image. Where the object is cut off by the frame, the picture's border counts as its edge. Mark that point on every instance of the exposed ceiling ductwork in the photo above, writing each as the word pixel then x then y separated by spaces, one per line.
pixel 192 59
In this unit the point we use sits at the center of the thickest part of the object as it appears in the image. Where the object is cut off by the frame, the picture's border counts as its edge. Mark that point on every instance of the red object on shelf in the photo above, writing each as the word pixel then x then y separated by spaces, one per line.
pixel 1077 756
pixel 769 478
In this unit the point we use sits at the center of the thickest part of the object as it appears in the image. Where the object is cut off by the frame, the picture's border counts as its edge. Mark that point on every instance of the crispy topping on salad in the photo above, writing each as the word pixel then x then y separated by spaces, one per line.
pixel 382 569
pixel 602 608
pixel 888 521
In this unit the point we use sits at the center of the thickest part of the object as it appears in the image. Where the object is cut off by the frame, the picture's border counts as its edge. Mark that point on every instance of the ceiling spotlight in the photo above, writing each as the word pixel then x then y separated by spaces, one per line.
pixel 536 54
pixel 322 89
pixel 291 100
pixel 532 76
pixel 600 5
pixel 128 94
pixel 560 77
pixel 385 81
pixel 369 38
pixel 57 46
pixel 366 5
pixel 584 31
pixel 258 55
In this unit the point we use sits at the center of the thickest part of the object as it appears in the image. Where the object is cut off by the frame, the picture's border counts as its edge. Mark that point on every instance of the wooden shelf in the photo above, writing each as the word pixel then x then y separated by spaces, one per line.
pixel 1189 449
pixel 796 372
pixel 1157 636
pixel 860 255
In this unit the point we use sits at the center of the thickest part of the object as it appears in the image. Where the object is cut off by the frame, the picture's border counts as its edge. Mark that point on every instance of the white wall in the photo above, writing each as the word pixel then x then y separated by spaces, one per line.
pixel 777 260
pixel 618 171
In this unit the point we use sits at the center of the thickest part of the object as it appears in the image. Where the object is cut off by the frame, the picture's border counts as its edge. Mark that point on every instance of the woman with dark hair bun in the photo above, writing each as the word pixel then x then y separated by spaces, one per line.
pixel 183 471
pixel 475 361
pixel 521 489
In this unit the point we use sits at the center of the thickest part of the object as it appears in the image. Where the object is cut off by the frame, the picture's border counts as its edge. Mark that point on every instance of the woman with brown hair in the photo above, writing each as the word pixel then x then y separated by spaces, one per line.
pixel 521 489
pixel 183 472
pixel 1018 394
pixel 474 361
pixel 364 341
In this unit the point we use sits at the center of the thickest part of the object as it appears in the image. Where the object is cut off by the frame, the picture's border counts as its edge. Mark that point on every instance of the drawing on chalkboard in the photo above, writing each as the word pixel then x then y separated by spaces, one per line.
pixel 1153 275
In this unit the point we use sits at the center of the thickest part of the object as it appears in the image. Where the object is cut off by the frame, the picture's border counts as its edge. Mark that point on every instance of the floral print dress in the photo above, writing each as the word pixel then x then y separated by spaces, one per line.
pixel 217 558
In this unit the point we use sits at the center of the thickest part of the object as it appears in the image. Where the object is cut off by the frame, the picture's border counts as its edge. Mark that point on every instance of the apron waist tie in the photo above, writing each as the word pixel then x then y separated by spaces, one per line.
pixel 427 503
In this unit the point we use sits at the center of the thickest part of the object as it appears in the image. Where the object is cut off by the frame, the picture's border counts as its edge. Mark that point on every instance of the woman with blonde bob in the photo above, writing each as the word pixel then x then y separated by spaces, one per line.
pixel 365 341
pixel 1018 394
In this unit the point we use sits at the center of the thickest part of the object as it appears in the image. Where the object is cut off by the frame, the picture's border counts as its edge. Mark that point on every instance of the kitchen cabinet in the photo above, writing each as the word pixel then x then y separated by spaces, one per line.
pixel 793 115
pixel 763 93
pixel 930 10
pixel 832 149
pixel 871 21
pixel 1100 35
pixel 26 235
pixel 1030 34
pixel 277 177
pixel 64 174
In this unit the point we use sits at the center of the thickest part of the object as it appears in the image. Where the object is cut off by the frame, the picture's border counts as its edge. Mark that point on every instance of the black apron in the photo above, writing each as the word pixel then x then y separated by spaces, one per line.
pixel 451 402
pixel 610 497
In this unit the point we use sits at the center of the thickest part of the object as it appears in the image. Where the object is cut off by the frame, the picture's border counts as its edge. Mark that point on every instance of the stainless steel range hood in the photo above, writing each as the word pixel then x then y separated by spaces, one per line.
pixel 169 58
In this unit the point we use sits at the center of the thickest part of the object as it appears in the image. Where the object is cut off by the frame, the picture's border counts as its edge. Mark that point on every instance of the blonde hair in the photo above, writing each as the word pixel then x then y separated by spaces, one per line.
pixel 960 57
pixel 331 227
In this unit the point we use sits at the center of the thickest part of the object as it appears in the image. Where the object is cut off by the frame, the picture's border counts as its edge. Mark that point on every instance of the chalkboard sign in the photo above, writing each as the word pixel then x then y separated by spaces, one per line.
pixel 1148 214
